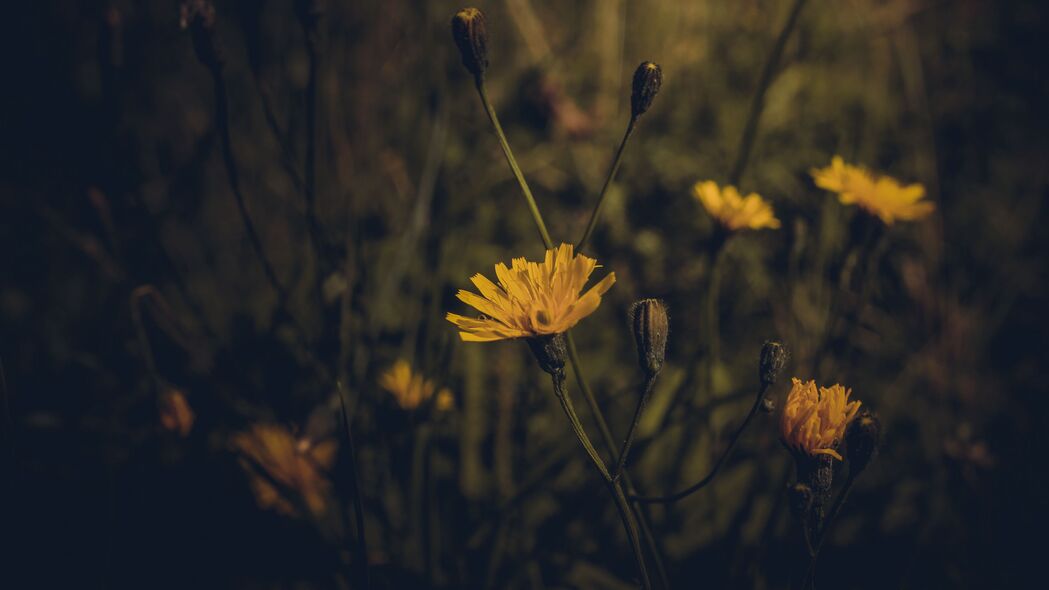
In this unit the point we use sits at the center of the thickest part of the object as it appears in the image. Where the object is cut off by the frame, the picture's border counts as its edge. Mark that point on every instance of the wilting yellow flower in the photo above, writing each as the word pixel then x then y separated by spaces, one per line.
pixel 175 414
pixel 733 211
pixel 532 298
pixel 814 420
pixel 295 467
pixel 882 196
pixel 409 389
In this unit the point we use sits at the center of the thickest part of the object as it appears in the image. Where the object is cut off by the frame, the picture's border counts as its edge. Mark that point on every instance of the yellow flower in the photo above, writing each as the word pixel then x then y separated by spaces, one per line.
pixel 733 211
pixel 409 389
pixel 532 298
pixel 882 196
pixel 445 401
pixel 814 420
pixel 295 466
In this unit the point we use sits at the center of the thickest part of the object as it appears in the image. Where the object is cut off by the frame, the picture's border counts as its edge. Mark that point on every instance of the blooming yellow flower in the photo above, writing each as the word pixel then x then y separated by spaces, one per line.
pixel 532 298
pixel 296 467
pixel 814 420
pixel 409 389
pixel 733 211
pixel 882 196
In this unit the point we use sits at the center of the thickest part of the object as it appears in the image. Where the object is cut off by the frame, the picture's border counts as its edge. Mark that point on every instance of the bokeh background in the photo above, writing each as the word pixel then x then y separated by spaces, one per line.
pixel 126 275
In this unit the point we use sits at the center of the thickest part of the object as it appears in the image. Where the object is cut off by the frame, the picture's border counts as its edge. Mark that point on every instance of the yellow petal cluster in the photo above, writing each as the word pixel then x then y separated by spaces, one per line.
pixel 814 419
pixel 408 388
pixel 882 196
pixel 732 210
pixel 296 467
pixel 532 298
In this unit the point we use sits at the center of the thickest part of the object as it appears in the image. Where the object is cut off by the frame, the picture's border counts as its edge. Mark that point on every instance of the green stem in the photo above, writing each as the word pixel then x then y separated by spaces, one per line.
pixel 713 328
pixel 625 513
pixel 358 504
pixel 645 393
pixel 604 189
pixel 717 466
pixel 532 206
pixel 757 104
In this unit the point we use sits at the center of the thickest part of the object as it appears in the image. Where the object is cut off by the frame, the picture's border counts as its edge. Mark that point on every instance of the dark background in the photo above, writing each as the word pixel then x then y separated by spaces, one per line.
pixel 112 177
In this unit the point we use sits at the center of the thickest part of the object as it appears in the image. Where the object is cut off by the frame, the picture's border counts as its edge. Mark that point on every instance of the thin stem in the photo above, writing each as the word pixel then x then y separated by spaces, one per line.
pixel 358 505
pixel 645 393
pixel 713 297
pixel 222 118
pixel 608 182
pixel 310 185
pixel 717 465
pixel 532 206
pixel 757 104
pixel 625 513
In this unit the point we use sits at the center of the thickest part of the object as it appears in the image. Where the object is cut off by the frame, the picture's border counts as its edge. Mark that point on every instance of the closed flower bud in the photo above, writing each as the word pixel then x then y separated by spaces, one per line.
pixel 648 319
pixel 861 440
pixel 471 35
pixel 773 357
pixel 647 79
pixel 550 351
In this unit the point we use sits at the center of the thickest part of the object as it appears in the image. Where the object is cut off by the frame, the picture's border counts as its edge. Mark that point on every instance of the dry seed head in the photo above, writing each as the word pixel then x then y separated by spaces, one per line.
pixel 471 35
pixel 773 357
pixel 648 318
pixel 648 77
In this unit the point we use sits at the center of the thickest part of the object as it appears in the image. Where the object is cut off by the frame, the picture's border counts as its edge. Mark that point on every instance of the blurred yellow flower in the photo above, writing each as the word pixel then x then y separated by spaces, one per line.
pixel 532 298
pixel 445 401
pixel 733 211
pixel 175 414
pixel 814 420
pixel 409 389
pixel 289 466
pixel 882 196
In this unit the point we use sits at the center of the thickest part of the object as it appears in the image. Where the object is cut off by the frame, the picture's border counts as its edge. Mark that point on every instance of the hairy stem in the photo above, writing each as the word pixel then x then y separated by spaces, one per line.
pixel 604 188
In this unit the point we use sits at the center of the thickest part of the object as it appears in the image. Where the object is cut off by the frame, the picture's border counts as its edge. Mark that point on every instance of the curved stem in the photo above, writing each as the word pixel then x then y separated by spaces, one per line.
pixel 358 505
pixel 757 104
pixel 645 393
pixel 717 465
pixel 604 189
pixel 625 513
pixel 532 206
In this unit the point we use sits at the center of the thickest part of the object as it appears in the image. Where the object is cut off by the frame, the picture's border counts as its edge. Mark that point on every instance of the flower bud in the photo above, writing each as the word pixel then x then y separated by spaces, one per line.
pixel 861 440
pixel 648 318
pixel 471 35
pixel 648 77
pixel 773 357
pixel 550 351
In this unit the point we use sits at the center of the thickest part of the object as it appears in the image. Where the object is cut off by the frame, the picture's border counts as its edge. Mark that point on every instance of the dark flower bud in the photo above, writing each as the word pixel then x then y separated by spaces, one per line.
pixel 648 318
pixel 648 77
pixel 550 351
pixel 471 35
pixel 199 17
pixel 861 440
pixel 773 357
